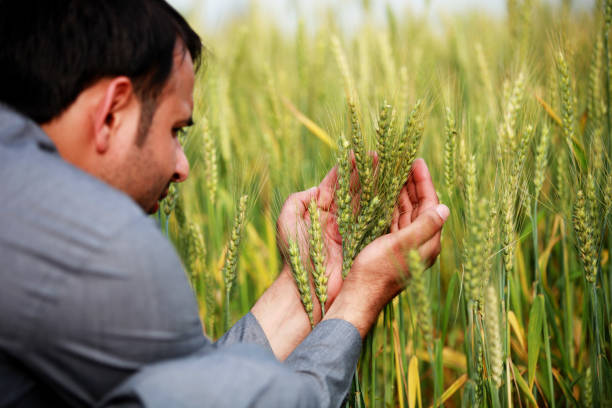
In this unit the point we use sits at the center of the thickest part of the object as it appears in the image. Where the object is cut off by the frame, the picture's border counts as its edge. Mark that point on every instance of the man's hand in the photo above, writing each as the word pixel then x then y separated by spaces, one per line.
pixel 294 222
pixel 379 272
pixel 279 311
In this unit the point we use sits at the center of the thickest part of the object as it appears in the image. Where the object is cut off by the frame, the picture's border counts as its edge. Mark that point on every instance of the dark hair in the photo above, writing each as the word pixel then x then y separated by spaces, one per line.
pixel 51 50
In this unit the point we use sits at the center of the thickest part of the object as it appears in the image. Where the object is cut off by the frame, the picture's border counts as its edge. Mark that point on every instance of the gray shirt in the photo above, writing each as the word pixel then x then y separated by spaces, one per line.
pixel 95 307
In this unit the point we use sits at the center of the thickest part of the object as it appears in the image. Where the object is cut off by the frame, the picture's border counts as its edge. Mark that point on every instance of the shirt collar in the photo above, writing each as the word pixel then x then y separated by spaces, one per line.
pixel 17 127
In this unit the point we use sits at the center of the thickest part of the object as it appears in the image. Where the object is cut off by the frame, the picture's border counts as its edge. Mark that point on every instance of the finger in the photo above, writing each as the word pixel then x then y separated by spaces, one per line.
pixel 293 210
pixel 404 208
pixel 412 196
pixel 374 155
pixel 423 228
pixel 327 189
pixel 329 223
pixel 423 186
pixel 354 184
pixel 430 250
pixel 395 220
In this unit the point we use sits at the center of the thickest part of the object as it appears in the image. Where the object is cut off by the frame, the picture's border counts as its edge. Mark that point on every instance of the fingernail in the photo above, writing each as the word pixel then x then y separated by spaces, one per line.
pixel 443 211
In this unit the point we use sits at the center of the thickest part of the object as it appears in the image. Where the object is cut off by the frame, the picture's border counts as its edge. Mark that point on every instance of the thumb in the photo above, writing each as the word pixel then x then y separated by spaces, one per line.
pixel 297 203
pixel 293 210
pixel 424 226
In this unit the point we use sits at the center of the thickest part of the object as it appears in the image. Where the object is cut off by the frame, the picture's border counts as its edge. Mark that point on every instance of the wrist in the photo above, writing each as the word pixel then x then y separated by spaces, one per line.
pixel 281 315
pixel 357 306
pixel 288 284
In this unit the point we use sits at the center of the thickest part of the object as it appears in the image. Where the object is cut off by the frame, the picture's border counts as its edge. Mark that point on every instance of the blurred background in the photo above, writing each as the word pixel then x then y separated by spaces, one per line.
pixel 213 14
pixel 508 101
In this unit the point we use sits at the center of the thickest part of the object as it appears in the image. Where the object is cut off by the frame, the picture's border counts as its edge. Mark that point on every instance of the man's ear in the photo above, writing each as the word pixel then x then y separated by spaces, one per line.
pixel 117 96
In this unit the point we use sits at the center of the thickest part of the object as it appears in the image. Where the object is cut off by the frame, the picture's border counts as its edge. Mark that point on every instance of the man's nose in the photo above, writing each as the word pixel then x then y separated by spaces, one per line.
pixel 181 171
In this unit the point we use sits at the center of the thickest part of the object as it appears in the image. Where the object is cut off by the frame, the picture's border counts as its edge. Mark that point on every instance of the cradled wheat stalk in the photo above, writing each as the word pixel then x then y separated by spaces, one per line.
pixel 300 275
pixel 379 187
pixel 317 255
pixel 396 152
pixel 343 196
pixel 316 266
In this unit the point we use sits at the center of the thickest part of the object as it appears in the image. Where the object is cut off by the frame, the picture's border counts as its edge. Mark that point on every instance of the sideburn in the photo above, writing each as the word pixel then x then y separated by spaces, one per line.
pixel 149 106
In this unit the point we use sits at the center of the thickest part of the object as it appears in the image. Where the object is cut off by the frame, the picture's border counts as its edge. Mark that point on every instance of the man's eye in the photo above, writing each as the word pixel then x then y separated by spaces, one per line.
pixel 178 132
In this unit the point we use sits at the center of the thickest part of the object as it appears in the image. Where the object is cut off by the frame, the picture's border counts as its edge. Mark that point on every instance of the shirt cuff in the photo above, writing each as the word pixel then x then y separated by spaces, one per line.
pixel 331 339
pixel 246 330
pixel 329 355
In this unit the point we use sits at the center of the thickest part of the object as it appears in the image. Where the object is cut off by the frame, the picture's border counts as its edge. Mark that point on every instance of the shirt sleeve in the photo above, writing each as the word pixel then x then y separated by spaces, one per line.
pixel 246 330
pixel 317 374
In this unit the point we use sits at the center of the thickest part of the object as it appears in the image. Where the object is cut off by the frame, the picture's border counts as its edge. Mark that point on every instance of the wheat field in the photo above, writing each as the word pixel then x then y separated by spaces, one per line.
pixel 513 119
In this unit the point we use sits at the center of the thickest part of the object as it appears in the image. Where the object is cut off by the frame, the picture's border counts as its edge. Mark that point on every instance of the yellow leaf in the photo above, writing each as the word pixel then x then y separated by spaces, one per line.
pixel 454 387
pixel 254 236
pixel 544 256
pixel 310 125
pixel 450 358
pixel 549 110
pixel 399 365
pixel 520 352
pixel 517 329
pixel 522 384
pixel 557 119
pixel 604 257
pixel 414 383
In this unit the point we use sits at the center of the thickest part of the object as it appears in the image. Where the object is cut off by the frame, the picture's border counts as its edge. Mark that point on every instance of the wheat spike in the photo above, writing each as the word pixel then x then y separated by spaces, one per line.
pixel 231 256
pixel 210 161
pixel 541 161
pixel 317 255
pixel 449 151
pixel 492 327
pixel 300 275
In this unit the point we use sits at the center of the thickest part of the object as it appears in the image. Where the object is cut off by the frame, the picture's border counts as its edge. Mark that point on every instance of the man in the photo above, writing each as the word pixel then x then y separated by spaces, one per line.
pixel 94 306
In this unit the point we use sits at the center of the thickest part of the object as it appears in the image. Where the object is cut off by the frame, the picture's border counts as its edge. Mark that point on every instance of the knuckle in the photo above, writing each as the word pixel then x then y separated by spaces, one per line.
pixel 436 220
pixel 433 219
pixel 406 244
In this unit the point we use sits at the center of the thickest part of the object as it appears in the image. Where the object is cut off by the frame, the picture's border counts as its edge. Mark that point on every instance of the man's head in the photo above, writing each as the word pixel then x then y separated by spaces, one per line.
pixel 109 81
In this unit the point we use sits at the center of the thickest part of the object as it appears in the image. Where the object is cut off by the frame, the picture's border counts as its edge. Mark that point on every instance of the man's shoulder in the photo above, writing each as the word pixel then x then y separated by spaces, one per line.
pixel 89 284
pixel 50 202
